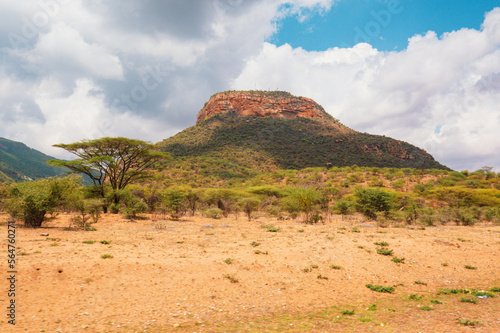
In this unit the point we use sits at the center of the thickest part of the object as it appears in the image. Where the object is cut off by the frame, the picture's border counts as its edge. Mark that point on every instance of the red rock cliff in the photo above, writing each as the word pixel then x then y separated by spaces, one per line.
pixel 263 103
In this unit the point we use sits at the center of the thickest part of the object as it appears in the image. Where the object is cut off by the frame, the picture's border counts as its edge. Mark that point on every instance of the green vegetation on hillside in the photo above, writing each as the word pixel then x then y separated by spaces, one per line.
pixel 19 162
pixel 254 143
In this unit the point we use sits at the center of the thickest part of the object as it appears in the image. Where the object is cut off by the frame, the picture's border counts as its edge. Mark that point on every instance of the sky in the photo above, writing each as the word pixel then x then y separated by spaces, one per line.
pixel 423 71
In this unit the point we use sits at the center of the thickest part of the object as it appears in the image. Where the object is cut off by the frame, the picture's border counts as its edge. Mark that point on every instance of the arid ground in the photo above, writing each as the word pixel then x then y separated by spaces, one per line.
pixel 232 275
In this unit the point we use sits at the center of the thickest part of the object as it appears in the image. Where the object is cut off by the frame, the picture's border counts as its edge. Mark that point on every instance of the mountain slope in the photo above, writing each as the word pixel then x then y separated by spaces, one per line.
pixel 20 162
pixel 258 131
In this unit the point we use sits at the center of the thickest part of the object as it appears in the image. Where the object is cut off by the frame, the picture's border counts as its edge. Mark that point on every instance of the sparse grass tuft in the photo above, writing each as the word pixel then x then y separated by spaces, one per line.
pixel 415 297
pixel 228 261
pixel 398 260
pixel 381 243
pixel 427 308
pixel 88 242
pixel 420 283
pixel 470 267
pixel 380 289
pixel 231 278
pixel 105 242
pixel 436 301
pixel 482 293
pixel 254 244
pixel 107 256
pixel 384 251
pixel 452 291
pixel 467 322
pixel 271 228
pixel 348 312
pixel 468 300
pixel 322 277
pixel 335 267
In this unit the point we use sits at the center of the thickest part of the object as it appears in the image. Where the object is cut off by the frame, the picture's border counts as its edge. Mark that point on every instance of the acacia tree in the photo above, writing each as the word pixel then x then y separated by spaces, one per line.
pixel 117 161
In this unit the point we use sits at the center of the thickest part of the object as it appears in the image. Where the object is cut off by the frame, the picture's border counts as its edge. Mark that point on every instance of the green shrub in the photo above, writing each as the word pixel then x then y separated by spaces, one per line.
pixel 344 207
pixel 174 202
pixel 87 208
pixel 32 200
pixel 314 219
pixel 370 201
pixel 303 199
pixel 398 184
pixel 114 208
pixel 212 213
pixel 249 205
pixel 224 199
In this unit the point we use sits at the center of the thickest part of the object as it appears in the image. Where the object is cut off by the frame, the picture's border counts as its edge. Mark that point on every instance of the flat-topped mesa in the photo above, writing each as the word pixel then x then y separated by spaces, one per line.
pixel 278 104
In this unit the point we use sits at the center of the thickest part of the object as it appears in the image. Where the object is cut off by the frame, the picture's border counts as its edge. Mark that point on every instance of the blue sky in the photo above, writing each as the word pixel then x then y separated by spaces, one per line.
pixel 386 25
pixel 423 71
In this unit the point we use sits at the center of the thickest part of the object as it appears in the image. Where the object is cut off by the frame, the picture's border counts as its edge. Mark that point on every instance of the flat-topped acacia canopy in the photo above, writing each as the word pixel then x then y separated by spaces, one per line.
pixel 116 160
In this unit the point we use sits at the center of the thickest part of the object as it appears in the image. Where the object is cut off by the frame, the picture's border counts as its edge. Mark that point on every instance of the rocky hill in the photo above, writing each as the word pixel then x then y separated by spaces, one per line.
pixel 259 129
pixel 278 104
pixel 18 162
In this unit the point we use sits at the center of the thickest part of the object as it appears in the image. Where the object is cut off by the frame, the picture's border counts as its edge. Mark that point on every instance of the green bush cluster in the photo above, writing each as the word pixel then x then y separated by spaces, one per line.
pixel 221 188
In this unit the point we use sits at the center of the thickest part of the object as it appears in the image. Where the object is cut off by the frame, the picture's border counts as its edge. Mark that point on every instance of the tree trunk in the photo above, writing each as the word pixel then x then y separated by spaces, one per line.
pixel 34 218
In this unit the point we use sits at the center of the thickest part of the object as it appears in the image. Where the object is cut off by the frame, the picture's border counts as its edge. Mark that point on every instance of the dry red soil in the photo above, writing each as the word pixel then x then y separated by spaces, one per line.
pixel 232 275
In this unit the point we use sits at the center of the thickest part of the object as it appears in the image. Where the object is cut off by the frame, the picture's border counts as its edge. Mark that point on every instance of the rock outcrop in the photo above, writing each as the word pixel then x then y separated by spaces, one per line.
pixel 277 104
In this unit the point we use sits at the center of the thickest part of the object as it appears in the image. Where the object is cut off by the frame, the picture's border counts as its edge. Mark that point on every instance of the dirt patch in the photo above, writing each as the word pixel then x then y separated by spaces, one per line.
pixel 204 275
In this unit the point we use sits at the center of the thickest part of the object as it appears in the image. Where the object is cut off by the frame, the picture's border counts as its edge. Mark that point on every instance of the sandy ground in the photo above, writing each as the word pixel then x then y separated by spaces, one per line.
pixel 232 275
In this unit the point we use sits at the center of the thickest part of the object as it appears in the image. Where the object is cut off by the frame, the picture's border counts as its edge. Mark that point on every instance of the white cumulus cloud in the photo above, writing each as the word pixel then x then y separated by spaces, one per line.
pixel 440 93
